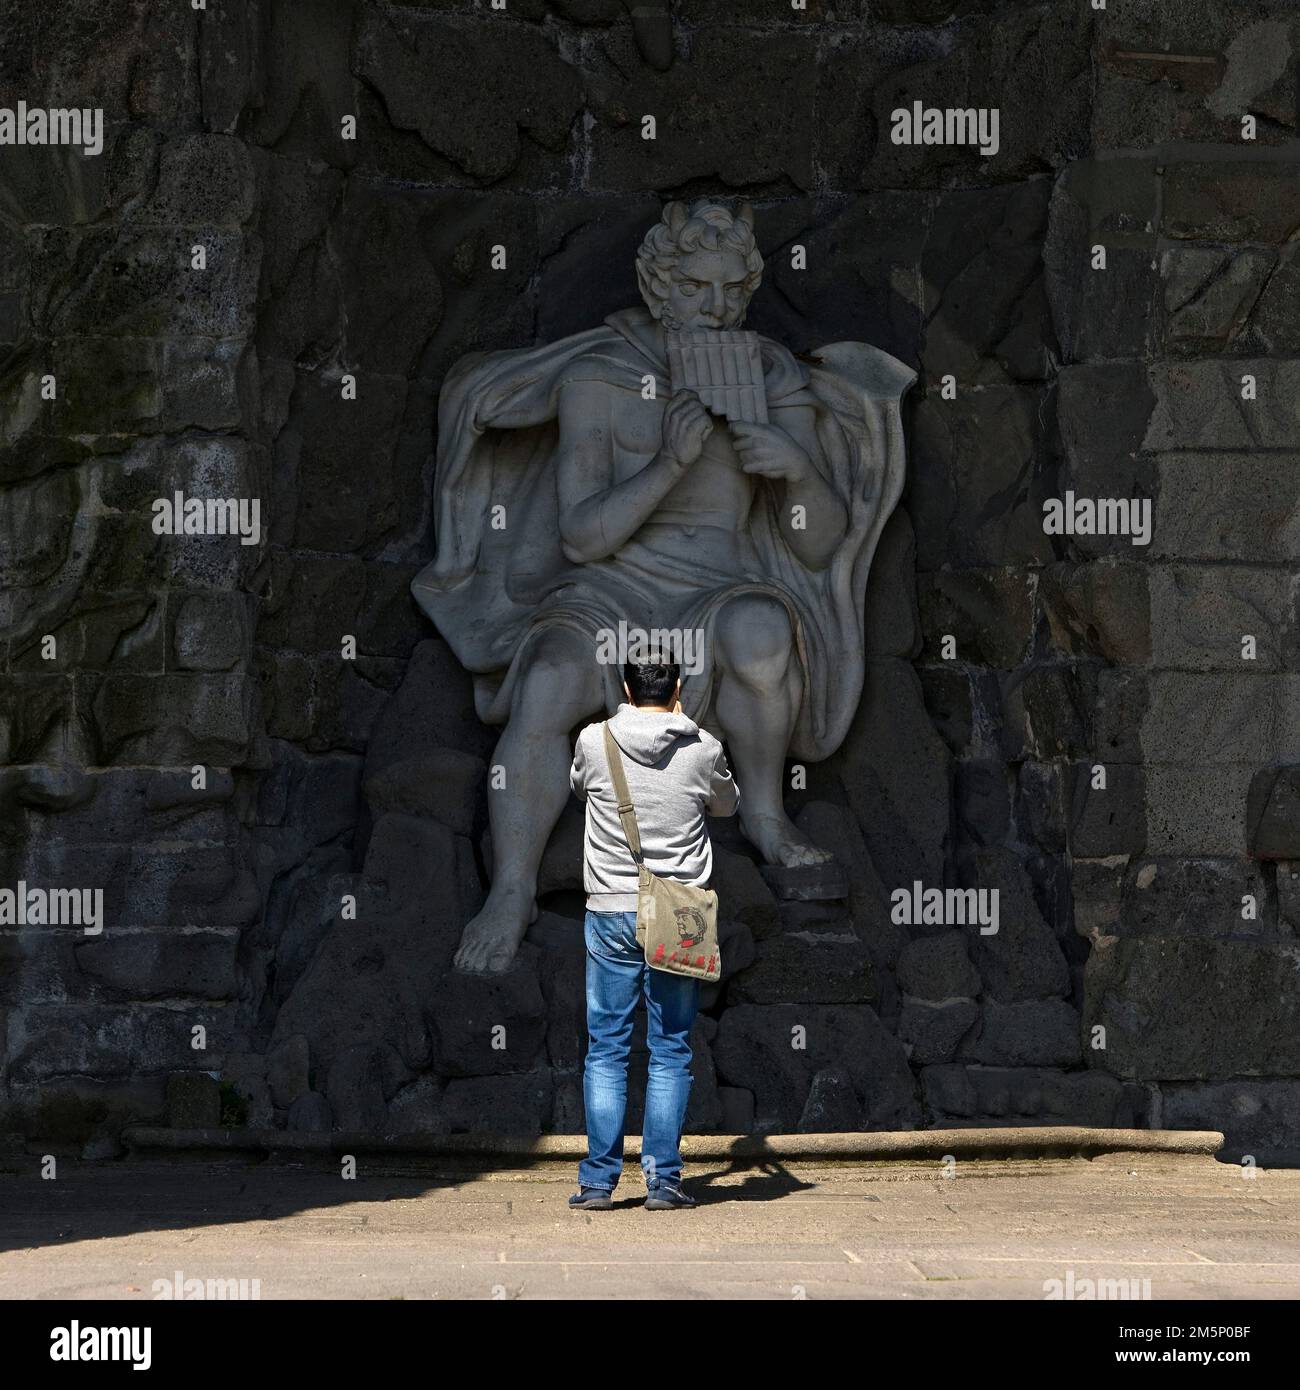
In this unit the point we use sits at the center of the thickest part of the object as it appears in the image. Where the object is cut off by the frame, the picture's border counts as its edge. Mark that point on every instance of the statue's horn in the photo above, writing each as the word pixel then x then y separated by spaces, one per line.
pixel 746 215
pixel 675 215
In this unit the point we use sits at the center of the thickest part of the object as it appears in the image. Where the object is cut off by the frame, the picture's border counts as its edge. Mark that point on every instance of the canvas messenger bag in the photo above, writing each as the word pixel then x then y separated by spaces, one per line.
pixel 676 924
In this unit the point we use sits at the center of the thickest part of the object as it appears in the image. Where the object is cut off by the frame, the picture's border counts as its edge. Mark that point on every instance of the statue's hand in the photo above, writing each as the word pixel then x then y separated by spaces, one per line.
pixel 769 451
pixel 686 426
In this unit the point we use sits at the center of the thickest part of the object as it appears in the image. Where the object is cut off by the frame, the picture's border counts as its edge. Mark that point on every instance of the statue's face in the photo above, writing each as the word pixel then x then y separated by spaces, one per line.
pixel 707 291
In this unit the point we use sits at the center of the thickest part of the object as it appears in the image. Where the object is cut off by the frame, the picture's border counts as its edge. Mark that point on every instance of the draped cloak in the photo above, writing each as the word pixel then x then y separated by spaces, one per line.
pixel 493 590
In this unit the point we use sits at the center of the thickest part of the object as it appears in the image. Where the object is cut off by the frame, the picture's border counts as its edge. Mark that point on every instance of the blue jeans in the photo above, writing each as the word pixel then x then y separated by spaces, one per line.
pixel 617 978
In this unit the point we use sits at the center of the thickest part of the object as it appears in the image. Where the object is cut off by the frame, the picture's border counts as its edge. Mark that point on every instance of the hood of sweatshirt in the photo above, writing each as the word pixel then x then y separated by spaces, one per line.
pixel 646 735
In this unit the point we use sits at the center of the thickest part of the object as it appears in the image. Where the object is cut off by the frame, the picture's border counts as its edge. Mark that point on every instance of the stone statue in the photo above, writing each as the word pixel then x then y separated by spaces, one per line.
pixel 576 489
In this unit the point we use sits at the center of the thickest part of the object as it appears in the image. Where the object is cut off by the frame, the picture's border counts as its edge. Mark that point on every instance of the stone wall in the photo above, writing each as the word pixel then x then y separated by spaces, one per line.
pixel 972 763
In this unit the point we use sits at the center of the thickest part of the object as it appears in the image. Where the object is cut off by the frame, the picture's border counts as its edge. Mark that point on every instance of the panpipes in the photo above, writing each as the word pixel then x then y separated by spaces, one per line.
pixel 724 368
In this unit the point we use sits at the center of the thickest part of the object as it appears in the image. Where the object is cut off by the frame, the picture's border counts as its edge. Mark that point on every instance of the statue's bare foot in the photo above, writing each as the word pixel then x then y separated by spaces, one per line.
pixel 491 939
pixel 780 841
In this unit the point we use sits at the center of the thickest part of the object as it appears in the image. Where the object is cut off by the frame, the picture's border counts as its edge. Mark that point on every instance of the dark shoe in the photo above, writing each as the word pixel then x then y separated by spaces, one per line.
pixel 591 1199
pixel 665 1196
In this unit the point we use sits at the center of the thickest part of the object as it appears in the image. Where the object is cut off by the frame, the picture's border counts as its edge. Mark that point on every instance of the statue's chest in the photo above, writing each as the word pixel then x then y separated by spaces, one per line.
pixel 638 436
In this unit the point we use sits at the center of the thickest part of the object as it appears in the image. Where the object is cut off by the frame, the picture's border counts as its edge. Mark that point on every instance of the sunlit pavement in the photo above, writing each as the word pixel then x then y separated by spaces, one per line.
pixel 1193 1227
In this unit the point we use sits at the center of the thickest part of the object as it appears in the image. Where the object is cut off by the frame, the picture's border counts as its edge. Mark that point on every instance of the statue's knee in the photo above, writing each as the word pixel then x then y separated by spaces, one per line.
pixel 560 674
pixel 755 637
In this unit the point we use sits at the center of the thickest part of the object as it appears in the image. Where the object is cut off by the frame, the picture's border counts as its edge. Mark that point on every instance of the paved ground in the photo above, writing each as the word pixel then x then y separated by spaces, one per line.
pixel 1193 1227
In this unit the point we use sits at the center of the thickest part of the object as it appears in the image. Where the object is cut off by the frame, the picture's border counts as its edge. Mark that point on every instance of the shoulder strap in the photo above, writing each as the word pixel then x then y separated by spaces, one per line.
pixel 626 811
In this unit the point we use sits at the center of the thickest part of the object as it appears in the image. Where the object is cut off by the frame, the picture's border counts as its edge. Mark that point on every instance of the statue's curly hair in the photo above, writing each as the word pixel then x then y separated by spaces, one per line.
pixel 708 226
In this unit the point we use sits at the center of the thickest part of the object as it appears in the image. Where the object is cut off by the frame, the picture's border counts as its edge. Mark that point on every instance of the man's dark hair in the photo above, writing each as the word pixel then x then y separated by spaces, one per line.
pixel 651 682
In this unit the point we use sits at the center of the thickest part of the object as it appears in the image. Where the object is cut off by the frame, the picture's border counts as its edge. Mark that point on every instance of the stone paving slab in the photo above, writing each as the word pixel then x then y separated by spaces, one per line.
pixel 1196 1228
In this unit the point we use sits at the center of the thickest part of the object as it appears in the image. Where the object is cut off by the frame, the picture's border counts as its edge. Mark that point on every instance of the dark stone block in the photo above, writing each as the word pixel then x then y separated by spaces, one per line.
pixel 979 469
pixel 950 705
pixel 157 966
pixel 707 124
pixel 489 121
pixel 287 1071
pixel 775 1051
pixel 832 1106
pixel 895 774
pixel 938 968
pixel 1273 813
pixel 35 717
pixel 799 968
pixel 862 261
pixel 1019 59
pixel 1046 709
pixel 1107 312
pixel 1099 610
pixel 892 620
pixel 490 1024
pixel 1036 1033
pixel 933 1032
pixel 962 1095
pixel 1193 1009
pixel 1120 706
pixel 355 1090
pixel 1199 405
pixel 1040 809
pixel 130 281
pixel 1022 959
pixel 389 289
pixel 989 613
pixel 983 801
pixel 209 632
pixel 373 980
pixel 432 708
pixel 1259 1119
pixel 193 1102
pixel 1208 296
pixel 743 895
pixel 1097 888
pixel 336 474
pixel 987 317
pixel 99 631
pixel 1194 897
pixel 174 718
pixel 311 1111
pixel 515 1104
pixel 1237 201
pixel 1103 412
pixel 445 784
pixel 823 882
pixel 415 1108
pixel 703 1108
pixel 1106 820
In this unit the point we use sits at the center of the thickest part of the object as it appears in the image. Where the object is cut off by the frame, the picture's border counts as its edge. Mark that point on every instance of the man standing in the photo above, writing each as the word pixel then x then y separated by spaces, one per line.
pixel 676 774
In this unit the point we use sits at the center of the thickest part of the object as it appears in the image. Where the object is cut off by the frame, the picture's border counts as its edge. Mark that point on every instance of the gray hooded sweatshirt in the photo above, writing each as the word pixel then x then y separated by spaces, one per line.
pixel 677 774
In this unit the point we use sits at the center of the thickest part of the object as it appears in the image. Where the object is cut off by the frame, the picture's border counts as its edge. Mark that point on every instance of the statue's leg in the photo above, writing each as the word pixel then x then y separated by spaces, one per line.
pixel 561 685
pixel 759 689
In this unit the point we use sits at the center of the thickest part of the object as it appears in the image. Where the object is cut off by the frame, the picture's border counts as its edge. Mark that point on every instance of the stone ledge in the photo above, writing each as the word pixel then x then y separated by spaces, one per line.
pixel 997 1142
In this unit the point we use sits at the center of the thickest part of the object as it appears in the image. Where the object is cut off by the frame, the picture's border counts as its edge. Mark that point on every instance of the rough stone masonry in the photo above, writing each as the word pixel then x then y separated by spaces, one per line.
pixel 270 764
